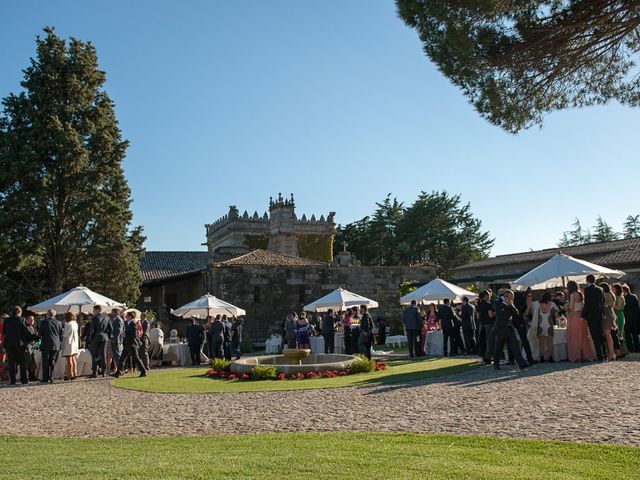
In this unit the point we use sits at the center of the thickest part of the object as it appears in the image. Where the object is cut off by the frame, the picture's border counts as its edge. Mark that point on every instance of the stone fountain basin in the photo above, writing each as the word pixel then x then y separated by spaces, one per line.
pixel 315 362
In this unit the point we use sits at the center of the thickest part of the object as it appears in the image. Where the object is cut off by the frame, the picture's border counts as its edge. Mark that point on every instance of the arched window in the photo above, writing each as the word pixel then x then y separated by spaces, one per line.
pixel 256 294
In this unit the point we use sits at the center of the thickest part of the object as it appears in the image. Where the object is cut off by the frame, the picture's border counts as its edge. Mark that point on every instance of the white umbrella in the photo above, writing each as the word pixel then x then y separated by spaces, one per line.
pixel 79 299
pixel 208 305
pixel 436 291
pixel 340 299
pixel 558 270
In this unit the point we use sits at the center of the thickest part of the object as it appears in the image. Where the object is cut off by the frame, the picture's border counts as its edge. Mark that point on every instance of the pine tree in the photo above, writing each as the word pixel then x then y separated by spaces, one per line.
pixel 631 226
pixel 64 200
pixel 577 236
pixel 603 232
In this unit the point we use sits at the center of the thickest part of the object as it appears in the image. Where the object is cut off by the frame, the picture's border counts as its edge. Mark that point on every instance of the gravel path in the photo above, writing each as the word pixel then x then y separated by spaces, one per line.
pixel 588 402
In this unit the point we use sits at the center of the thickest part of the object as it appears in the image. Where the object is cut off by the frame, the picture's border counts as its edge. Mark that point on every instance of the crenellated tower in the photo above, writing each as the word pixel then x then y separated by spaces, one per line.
pixel 280 231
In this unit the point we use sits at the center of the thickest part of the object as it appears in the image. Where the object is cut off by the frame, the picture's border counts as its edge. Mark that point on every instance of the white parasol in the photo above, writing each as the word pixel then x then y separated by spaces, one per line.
pixel 559 269
pixel 78 300
pixel 208 305
pixel 436 291
pixel 340 299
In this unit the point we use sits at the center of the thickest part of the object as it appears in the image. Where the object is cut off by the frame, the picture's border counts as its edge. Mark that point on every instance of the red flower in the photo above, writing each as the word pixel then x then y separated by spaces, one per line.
pixel 245 376
pixel 282 376
pixel 311 375
pixel 232 376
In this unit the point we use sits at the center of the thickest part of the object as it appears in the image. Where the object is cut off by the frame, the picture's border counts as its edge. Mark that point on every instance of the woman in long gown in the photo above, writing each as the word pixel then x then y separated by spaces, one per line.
pixel 618 309
pixel 579 345
pixel 609 322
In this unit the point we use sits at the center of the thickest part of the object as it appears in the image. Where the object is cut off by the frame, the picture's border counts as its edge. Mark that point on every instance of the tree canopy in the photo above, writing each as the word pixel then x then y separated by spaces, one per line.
pixel 601 232
pixel 64 200
pixel 517 61
pixel 436 228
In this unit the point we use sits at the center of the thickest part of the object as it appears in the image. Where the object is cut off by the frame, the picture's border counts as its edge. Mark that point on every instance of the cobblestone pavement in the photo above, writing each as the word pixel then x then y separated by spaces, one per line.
pixel 597 402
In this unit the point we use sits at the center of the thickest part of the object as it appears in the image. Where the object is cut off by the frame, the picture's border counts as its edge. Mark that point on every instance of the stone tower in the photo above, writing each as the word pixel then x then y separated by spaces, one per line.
pixel 282 232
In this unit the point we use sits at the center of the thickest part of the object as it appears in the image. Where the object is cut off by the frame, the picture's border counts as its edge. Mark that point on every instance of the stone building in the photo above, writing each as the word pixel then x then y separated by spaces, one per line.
pixel 499 271
pixel 279 231
pixel 249 262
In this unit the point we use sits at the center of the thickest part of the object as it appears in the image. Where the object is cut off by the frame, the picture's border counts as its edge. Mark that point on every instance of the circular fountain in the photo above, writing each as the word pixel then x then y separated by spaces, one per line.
pixel 295 360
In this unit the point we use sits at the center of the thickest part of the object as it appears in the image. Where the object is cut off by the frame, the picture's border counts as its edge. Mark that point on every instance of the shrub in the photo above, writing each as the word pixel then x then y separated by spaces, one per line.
pixel 264 372
pixel 362 365
pixel 246 345
pixel 220 364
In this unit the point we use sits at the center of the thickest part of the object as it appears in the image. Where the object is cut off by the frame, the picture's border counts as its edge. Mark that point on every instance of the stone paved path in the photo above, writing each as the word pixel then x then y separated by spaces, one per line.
pixel 588 402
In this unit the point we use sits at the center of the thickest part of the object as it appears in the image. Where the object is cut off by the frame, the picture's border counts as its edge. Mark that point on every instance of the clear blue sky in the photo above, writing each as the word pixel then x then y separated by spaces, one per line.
pixel 228 103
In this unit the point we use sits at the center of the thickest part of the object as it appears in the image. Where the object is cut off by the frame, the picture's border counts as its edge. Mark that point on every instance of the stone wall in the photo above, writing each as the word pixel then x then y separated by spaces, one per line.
pixel 269 293
pixel 170 294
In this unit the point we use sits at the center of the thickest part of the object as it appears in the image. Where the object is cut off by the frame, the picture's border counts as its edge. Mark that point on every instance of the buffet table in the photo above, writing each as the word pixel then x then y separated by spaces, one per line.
pixel 179 353
pixel 84 364
pixel 433 343
pixel 317 344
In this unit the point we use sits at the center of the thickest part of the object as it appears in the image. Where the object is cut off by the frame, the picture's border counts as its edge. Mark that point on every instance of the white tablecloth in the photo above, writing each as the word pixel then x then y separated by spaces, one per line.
pixel 560 344
pixel 317 344
pixel 273 344
pixel 396 340
pixel 179 353
pixel 84 364
pixel 433 343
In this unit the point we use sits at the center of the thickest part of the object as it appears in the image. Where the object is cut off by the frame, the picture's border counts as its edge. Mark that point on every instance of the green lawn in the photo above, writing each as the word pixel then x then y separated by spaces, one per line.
pixel 193 380
pixel 317 456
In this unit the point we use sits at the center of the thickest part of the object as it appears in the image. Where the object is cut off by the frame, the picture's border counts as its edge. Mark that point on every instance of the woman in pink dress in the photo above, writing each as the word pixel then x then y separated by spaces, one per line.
pixel 579 345
pixel 432 318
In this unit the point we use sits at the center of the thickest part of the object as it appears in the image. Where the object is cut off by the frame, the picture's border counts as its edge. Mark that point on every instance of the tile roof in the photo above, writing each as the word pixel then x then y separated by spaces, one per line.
pixel 268 258
pixel 609 254
pixel 157 265
pixel 160 265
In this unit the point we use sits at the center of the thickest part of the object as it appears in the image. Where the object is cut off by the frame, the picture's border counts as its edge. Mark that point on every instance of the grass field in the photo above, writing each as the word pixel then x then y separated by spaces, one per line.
pixel 193 380
pixel 318 456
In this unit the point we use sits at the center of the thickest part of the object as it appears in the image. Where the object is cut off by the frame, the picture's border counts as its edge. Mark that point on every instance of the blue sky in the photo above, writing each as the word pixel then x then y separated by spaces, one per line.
pixel 228 103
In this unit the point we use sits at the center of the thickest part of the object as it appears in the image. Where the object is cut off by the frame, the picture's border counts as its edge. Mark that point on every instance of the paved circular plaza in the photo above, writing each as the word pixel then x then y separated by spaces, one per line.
pixel 584 402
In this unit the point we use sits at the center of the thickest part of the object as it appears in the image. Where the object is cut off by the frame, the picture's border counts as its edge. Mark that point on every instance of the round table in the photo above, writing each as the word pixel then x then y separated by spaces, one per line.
pixel 179 353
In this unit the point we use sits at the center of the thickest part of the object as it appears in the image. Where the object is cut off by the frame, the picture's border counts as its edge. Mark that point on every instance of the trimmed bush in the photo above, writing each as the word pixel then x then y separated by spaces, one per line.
pixel 362 365
pixel 220 364
pixel 264 372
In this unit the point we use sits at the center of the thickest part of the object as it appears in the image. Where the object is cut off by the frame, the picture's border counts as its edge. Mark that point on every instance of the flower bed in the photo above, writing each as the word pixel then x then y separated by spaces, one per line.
pixel 225 375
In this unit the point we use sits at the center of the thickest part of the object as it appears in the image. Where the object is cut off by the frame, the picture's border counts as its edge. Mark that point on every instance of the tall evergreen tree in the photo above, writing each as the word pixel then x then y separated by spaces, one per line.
pixel 603 232
pixel 577 236
pixel 437 227
pixel 64 201
pixel 631 226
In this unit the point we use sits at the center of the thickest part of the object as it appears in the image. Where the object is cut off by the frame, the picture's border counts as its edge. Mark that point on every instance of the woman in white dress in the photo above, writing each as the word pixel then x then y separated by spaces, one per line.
pixel 70 345
pixel 156 340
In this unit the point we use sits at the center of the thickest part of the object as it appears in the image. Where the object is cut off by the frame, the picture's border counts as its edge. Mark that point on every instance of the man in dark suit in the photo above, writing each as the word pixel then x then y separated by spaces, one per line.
pixel 130 346
pixel 631 318
pixel 328 330
pixel 593 313
pixel 100 334
pixel 449 322
pixel 216 331
pixel 117 334
pixel 226 337
pixel 143 351
pixel 195 338
pixel 15 340
pixel 506 312
pixel 50 332
pixel 468 314
pixel 366 332
pixel 412 320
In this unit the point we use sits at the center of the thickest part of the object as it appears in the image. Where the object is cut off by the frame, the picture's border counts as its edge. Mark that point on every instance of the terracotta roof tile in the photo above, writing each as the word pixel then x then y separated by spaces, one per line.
pixel 268 258
pixel 608 254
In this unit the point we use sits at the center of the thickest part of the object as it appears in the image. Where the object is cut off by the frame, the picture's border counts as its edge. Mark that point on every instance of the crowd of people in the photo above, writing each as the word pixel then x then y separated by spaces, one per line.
pixel 116 345
pixel 355 323
pixel 602 323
